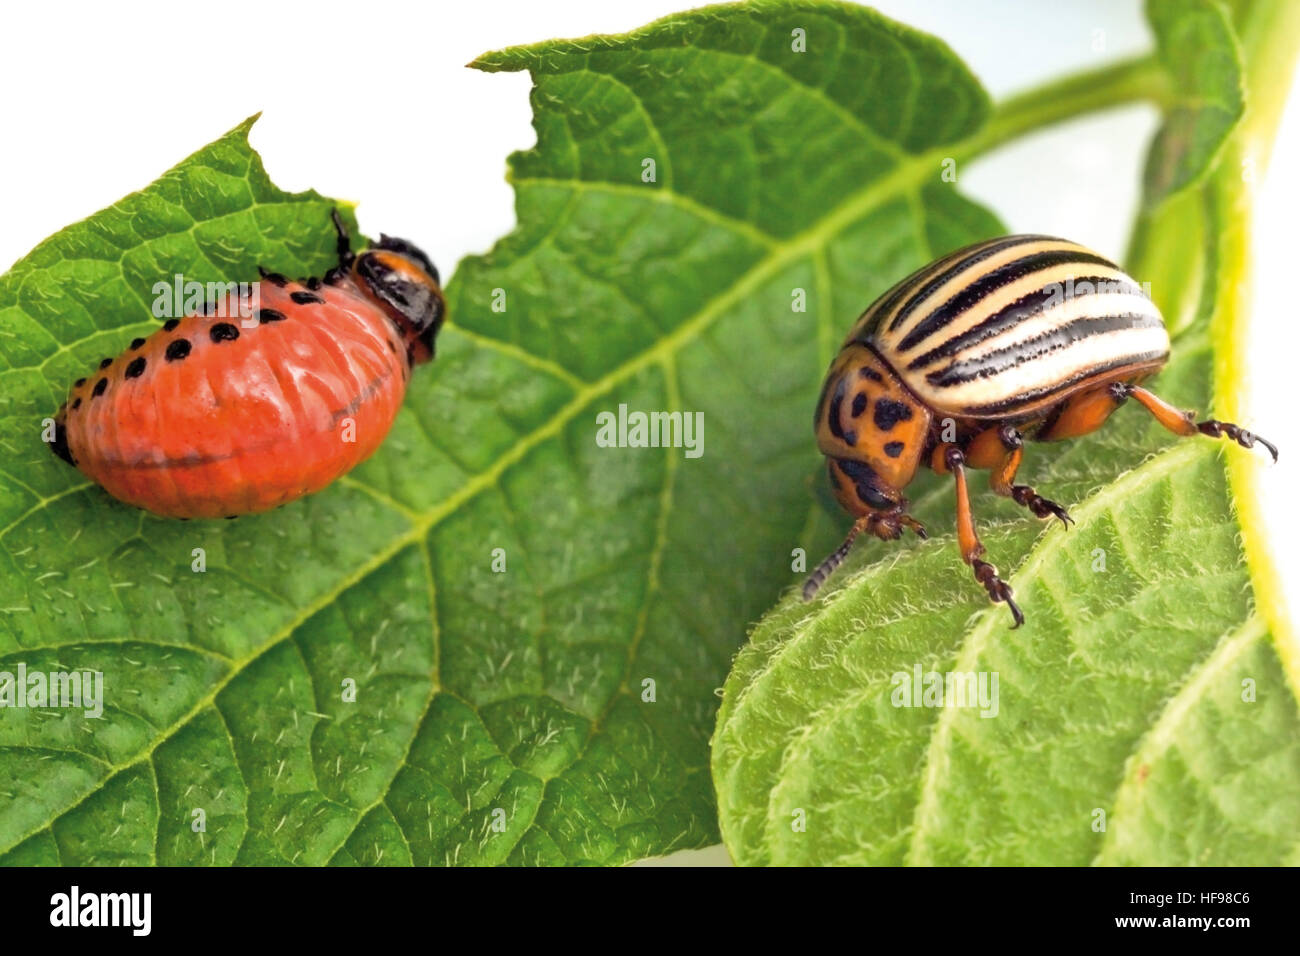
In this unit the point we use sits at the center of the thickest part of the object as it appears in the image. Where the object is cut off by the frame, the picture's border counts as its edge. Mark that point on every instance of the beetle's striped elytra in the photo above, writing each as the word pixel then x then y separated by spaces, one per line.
pixel 954 367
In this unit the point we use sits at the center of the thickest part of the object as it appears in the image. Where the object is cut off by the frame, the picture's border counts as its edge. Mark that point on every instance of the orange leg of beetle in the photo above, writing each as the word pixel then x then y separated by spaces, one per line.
pixel 1185 423
pixel 967 538
pixel 1001 448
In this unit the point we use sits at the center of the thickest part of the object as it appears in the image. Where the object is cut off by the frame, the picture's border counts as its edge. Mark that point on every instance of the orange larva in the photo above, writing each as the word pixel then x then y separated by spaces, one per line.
pixel 216 416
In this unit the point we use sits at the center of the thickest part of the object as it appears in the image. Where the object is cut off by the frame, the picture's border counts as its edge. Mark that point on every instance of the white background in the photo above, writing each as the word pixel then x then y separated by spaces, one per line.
pixel 373 103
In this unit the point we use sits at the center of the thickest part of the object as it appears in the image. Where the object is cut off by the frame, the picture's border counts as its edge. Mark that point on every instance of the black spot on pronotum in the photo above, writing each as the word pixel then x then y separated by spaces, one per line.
pixel 171 324
pixel 870 374
pixel 893 448
pixel 105 363
pixel 178 350
pixel 392 347
pixel 275 278
pixel 76 403
pixel 231 517
pixel 833 411
pixel 269 315
pixel 136 343
pixel 78 383
pixel 889 413
pixel 223 332
pixel 306 298
pixel 98 390
pixel 313 283
pixel 136 368
pixel 859 404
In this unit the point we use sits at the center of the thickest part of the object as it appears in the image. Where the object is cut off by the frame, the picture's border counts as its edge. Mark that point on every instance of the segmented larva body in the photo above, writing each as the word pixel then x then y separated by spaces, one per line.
pixel 204 418
pixel 254 404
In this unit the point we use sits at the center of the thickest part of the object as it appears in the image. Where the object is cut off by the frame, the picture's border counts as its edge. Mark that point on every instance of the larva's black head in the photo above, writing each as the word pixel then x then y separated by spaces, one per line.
pixel 401 280
pixel 410 250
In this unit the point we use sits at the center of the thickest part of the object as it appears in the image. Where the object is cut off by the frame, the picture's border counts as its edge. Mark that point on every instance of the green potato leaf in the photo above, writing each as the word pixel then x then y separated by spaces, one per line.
pixel 709 199
pixel 1146 714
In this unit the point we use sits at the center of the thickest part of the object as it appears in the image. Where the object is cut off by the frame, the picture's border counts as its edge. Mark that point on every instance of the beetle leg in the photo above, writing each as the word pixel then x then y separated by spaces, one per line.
pixel 1185 423
pixel 1005 473
pixel 967 538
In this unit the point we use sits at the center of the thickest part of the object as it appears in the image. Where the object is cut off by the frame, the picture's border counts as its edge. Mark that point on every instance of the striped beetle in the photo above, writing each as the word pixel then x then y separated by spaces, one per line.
pixel 1011 338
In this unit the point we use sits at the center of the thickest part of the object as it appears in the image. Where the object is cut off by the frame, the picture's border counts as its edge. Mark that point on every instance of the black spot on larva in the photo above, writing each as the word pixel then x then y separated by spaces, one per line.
pixel 223 332
pixel 275 278
pixel 269 315
pixel 313 283
pixel 171 324
pixel 306 298
pixel 136 368
pixel 136 343
pixel 76 403
pixel 105 363
pixel 78 383
pixel 889 413
pixel 178 350
pixel 60 444
pixel 99 388
pixel 859 404
pixel 893 448
pixel 870 374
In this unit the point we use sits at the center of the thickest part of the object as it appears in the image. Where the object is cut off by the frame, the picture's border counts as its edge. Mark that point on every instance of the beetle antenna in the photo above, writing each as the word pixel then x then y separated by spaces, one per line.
pixel 346 255
pixel 836 558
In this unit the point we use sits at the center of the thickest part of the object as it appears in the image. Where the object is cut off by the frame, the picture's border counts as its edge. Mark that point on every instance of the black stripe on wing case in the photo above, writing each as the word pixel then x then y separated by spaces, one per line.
pixel 989 283
pixel 1062 337
pixel 944 268
pixel 1022 399
pixel 1026 307
pixel 973 257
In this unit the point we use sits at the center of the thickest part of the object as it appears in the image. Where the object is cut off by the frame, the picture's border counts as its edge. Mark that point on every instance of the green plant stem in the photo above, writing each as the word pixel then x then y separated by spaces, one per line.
pixel 1137 80
pixel 1269 31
